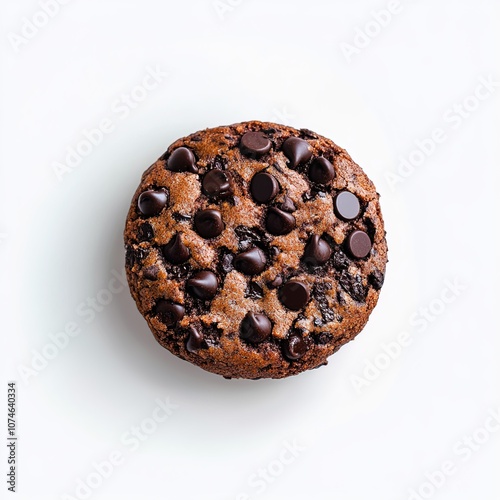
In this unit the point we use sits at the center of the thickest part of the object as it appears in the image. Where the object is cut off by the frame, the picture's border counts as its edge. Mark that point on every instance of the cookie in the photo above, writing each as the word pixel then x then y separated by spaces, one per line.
pixel 255 250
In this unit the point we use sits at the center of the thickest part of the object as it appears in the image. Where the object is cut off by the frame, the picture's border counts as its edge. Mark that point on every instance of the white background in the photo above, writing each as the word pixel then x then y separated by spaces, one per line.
pixel 61 241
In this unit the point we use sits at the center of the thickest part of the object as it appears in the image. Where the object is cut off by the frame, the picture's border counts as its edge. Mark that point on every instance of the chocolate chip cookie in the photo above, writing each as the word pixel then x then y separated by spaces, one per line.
pixel 255 250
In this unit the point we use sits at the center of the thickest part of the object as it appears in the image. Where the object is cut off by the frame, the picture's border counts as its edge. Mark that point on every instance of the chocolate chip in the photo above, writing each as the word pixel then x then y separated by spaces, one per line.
pixel 264 187
pixel 321 171
pixel 152 202
pixel 216 184
pixel 203 285
pixel 288 205
pixel 317 251
pixel 208 223
pixel 276 282
pixel 254 291
pixel 255 144
pixel 151 273
pixel 353 286
pixel 294 295
pixel 279 222
pixel 294 347
pixel 346 206
pixel 182 160
pixel 169 312
pixel 255 327
pixel 195 340
pixel 251 262
pixel 145 232
pixel 175 251
pixel 358 244
pixel 297 151
pixel 376 279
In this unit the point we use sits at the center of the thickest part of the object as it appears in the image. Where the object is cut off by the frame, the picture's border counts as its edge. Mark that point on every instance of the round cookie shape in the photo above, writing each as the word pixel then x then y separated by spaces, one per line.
pixel 255 250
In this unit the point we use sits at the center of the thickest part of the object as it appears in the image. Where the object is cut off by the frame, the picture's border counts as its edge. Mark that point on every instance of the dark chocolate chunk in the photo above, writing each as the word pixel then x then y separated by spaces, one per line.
pixel 317 251
pixel 208 223
pixel 274 251
pixel 321 171
pixel 216 184
pixel 297 151
pixel 276 282
pixel 288 205
pixel 175 251
pixel 225 260
pixel 203 285
pixel 151 273
pixel 250 236
pixel 255 327
pixel 169 312
pixel 376 279
pixel 181 217
pixel 319 294
pixel 255 144
pixel 212 334
pixel 279 222
pixel 358 244
pixel 135 255
pixel 309 134
pixel 152 202
pixel 179 272
pixel 145 232
pixel 264 187
pixel 182 160
pixel 251 262
pixel 346 206
pixel 294 295
pixel 323 338
pixel 340 260
pixel 294 347
pixel 254 291
pixel 219 163
pixel 353 286
pixel 195 340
